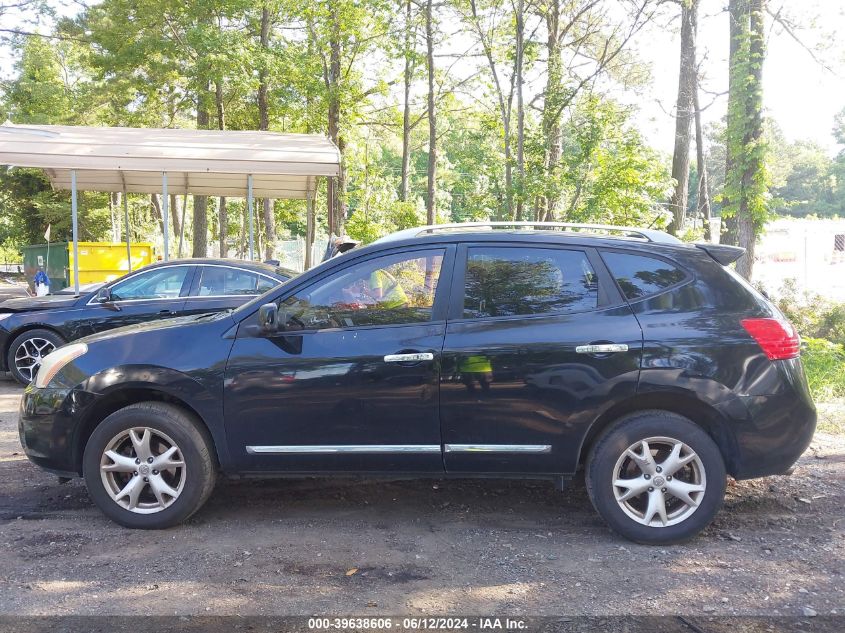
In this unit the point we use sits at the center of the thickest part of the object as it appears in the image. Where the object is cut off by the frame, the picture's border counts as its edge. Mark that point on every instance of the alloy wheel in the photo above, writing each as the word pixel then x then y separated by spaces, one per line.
pixel 29 355
pixel 659 481
pixel 143 470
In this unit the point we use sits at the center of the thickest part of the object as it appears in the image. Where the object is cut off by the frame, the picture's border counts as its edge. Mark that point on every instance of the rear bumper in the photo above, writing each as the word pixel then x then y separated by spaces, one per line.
pixel 47 430
pixel 777 432
pixel 776 429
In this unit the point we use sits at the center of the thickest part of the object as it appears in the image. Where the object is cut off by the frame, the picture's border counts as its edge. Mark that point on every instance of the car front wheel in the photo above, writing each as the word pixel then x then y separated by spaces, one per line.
pixel 28 350
pixel 656 477
pixel 149 465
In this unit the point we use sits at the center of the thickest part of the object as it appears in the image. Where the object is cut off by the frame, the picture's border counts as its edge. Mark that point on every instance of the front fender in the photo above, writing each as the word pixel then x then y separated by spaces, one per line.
pixel 204 397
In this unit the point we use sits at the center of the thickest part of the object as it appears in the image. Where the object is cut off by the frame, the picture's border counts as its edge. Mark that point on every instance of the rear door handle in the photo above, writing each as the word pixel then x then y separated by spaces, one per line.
pixel 602 348
pixel 167 312
pixel 414 357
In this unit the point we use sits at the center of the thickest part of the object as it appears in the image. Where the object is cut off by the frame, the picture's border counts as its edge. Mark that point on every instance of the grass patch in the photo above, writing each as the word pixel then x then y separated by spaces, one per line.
pixel 824 363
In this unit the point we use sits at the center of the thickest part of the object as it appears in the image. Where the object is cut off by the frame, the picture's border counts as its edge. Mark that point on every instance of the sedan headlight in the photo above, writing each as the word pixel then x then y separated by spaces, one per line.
pixel 55 361
pixel 5 315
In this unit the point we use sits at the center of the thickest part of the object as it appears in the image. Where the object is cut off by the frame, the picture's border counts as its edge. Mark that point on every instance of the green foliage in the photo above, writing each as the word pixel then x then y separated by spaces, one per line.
pixel 747 182
pixel 811 314
pixel 821 324
pixel 608 174
pixel 824 363
pixel 156 63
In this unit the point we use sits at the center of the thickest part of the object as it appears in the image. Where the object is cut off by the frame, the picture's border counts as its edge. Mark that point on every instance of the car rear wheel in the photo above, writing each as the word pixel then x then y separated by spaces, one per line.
pixel 656 477
pixel 149 465
pixel 28 350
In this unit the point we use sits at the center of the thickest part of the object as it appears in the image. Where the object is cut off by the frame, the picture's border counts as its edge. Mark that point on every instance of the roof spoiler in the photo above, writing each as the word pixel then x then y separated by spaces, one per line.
pixel 722 253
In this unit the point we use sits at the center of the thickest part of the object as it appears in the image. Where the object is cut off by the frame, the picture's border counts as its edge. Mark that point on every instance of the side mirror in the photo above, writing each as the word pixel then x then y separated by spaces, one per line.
pixel 104 295
pixel 268 317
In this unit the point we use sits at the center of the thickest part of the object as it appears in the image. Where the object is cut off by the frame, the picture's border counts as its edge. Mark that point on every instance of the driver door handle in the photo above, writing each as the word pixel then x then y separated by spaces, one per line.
pixel 167 312
pixel 601 348
pixel 414 357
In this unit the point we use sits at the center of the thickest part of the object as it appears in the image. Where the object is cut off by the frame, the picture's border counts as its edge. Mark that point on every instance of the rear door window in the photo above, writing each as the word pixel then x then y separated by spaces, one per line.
pixel 639 275
pixel 506 281
pixel 222 281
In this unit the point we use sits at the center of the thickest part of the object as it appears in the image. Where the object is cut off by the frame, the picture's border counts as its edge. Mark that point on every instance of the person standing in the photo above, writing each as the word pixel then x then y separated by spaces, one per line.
pixel 42 282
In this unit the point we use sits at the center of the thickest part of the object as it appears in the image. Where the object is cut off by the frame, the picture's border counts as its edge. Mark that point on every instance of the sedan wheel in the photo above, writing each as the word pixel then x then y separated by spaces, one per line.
pixel 143 470
pixel 29 354
pixel 656 477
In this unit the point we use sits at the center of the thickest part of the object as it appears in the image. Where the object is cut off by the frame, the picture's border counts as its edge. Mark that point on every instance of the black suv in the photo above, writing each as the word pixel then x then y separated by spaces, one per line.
pixel 451 351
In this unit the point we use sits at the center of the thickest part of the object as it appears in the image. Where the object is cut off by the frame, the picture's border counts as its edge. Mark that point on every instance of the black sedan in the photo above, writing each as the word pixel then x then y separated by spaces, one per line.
pixel 32 327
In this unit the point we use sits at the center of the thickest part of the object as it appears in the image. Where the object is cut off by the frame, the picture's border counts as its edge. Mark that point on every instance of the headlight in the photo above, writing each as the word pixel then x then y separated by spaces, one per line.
pixel 6 315
pixel 55 361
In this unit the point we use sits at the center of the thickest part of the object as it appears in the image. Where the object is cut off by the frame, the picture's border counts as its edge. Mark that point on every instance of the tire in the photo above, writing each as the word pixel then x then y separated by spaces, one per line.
pixel 151 429
pixel 32 346
pixel 700 481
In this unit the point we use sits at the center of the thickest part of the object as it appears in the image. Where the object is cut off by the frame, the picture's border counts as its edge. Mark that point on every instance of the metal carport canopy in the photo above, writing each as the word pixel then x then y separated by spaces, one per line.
pixel 172 161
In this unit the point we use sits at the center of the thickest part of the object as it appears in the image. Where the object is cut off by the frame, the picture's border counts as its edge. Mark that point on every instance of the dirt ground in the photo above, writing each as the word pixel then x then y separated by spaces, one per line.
pixel 306 547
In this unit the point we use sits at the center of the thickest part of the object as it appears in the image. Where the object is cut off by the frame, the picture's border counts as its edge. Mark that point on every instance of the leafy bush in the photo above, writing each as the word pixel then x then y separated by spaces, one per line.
pixel 824 363
pixel 821 324
pixel 811 314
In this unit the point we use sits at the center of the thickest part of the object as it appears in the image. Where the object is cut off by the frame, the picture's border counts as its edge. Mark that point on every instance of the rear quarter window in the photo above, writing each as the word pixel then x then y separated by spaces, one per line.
pixel 640 275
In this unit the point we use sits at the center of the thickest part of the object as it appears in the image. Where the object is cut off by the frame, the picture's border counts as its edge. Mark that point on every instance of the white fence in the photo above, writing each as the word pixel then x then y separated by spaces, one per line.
pixel 808 251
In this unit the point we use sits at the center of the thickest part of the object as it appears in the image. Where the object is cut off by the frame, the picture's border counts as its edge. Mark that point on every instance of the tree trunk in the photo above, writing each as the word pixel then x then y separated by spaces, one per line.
pixel 337 186
pixel 223 221
pixel 114 202
pixel 430 202
pixel 269 229
pixel 310 204
pixel 684 116
pixel 550 119
pixel 748 214
pixel 703 194
pixel 264 124
pixel 504 108
pixel 174 214
pixel 408 76
pixel 263 108
pixel 738 19
pixel 156 204
pixel 520 109
pixel 200 245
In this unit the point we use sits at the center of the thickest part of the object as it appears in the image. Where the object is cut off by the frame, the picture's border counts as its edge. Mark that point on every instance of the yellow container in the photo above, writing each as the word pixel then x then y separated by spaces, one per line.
pixel 106 261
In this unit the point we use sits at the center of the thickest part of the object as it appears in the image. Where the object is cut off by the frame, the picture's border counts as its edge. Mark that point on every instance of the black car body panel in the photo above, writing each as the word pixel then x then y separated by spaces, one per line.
pixel 73 317
pixel 282 402
pixel 90 387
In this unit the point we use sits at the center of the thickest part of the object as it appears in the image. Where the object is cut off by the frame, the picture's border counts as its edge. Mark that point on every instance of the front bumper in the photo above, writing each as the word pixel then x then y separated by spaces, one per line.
pixel 4 342
pixel 48 430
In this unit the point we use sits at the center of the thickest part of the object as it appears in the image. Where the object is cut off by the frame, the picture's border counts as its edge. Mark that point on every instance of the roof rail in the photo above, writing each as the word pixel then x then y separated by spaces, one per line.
pixel 649 235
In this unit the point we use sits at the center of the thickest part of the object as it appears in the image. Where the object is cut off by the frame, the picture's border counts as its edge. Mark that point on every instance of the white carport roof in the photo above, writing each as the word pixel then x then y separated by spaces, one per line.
pixel 203 162
pixel 170 161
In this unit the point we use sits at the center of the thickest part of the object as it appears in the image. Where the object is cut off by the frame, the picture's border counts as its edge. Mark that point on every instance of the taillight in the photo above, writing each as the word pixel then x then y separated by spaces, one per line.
pixel 776 337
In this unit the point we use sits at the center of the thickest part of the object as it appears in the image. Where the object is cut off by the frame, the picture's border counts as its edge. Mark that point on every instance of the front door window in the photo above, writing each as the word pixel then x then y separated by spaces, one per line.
pixel 391 290
pixel 159 283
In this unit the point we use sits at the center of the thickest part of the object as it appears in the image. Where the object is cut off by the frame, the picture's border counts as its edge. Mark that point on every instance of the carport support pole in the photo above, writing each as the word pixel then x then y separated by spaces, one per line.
pixel 164 213
pixel 74 214
pixel 126 222
pixel 251 218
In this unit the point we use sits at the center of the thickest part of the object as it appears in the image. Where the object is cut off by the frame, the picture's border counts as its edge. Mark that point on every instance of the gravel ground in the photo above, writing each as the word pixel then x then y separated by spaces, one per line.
pixel 320 546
